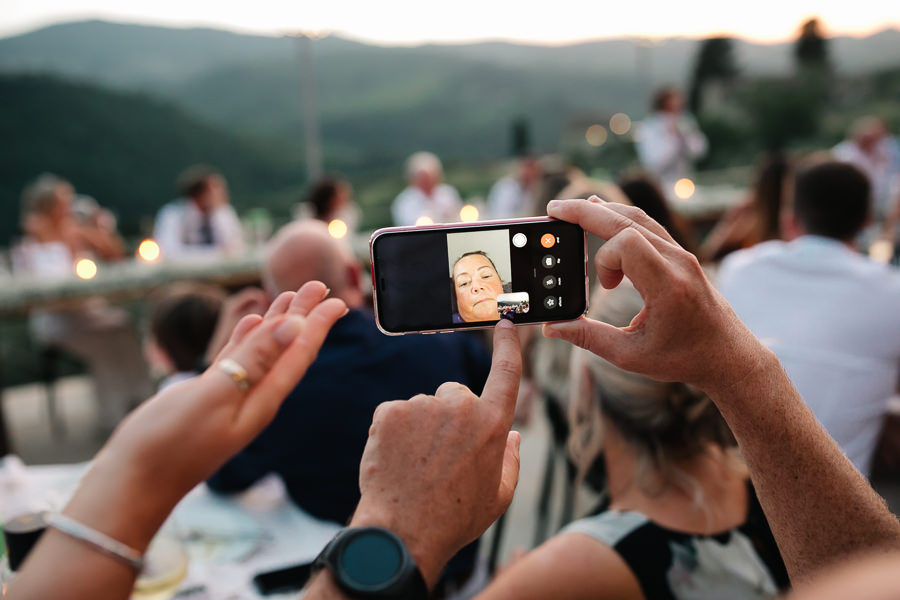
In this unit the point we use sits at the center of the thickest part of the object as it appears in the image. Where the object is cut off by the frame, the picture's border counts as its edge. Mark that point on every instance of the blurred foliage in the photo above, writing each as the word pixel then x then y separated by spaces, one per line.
pixel 715 62
pixel 124 149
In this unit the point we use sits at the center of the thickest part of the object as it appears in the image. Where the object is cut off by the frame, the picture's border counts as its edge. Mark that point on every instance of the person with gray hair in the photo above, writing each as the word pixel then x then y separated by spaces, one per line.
pixel 680 518
pixel 426 199
pixel 99 334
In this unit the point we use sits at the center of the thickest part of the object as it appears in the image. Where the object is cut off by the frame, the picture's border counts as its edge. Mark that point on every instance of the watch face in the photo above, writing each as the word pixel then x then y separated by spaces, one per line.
pixel 370 560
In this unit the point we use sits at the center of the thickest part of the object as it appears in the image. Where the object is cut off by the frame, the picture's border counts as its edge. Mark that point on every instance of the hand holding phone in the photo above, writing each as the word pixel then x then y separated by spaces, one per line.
pixel 462 276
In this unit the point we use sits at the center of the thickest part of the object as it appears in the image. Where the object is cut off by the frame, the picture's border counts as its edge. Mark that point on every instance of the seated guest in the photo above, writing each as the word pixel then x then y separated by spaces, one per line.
pixel 329 199
pixel 829 313
pixel 318 436
pixel 756 220
pixel 97 333
pixel 680 517
pixel 201 223
pixel 515 195
pixel 426 197
pixel 183 319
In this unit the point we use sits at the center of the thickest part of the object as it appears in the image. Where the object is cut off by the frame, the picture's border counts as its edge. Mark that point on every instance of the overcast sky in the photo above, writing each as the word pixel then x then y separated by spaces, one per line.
pixel 409 22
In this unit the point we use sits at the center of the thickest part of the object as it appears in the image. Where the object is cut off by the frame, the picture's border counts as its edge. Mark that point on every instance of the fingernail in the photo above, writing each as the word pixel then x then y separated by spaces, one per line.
pixel 505 323
pixel 289 329
pixel 346 310
pixel 553 204
pixel 327 291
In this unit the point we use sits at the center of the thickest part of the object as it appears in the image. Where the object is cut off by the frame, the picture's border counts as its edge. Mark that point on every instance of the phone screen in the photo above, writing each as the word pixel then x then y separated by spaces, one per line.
pixel 465 276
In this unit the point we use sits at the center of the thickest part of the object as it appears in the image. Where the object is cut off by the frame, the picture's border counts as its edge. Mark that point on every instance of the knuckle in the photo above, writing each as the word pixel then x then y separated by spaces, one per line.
pixel 450 388
pixel 507 366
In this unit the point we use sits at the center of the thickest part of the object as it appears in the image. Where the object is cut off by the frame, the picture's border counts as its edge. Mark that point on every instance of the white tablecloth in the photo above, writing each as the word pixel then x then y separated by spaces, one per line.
pixel 228 540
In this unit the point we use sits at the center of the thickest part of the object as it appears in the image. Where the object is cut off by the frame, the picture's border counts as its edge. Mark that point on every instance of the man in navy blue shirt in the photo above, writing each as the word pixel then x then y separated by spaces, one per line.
pixel 317 438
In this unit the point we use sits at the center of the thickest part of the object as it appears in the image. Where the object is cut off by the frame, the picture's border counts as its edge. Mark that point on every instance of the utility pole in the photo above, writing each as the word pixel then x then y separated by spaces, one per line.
pixel 311 129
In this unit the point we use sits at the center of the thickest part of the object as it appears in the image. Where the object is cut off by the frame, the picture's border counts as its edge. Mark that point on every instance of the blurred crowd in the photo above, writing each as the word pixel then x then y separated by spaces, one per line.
pixel 679 515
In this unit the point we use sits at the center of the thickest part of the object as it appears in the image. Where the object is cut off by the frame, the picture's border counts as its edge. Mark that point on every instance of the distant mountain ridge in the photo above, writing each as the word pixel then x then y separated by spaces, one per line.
pixel 128 54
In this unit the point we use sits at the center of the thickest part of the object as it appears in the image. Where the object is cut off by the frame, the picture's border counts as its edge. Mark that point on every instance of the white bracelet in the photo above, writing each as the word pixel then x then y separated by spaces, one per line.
pixel 97 540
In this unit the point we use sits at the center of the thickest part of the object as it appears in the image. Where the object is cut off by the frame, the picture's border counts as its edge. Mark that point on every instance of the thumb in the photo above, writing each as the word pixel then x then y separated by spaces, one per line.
pixel 509 475
pixel 603 339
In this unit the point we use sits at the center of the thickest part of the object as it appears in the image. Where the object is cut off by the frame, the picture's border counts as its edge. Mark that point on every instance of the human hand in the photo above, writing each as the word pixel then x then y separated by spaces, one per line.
pixel 248 301
pixel 438 470
pixel 686 330
pixel 180 437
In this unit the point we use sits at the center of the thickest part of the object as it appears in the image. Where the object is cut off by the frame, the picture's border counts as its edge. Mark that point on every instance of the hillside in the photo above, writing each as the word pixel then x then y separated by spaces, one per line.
pixel 122 148
pixel 378 104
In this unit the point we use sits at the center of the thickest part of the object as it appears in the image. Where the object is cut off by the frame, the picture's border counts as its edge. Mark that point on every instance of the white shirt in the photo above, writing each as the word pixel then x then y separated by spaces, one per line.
pixel 833 318
pixel 509 199
pixel 441 207
pixel 882 167
pixel 666 146
pixel 178 231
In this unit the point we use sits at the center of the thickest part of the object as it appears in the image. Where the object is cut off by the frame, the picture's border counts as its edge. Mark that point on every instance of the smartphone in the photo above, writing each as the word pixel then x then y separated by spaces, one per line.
pixel 280 581
pixel 470 275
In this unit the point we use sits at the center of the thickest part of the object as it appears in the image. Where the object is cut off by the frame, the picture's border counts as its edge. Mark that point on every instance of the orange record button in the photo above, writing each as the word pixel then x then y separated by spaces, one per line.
pixel 548 240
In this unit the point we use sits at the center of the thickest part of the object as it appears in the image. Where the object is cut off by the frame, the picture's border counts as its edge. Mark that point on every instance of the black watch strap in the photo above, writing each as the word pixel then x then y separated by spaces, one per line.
pixel 405 582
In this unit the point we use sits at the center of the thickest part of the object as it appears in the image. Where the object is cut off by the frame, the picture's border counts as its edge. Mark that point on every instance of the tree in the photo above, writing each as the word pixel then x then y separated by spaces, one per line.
pixel 811 48
pixel 715 62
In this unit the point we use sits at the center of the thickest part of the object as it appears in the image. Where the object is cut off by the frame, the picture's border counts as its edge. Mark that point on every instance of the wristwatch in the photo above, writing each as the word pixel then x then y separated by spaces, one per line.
pixel 371 562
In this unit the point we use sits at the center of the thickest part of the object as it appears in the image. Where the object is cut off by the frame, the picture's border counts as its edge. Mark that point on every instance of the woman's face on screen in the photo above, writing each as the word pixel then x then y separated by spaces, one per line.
pixel 477 286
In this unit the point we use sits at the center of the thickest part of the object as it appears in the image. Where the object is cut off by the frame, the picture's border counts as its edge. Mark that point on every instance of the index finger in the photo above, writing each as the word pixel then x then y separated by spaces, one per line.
pixel 606 220
pixel 502 384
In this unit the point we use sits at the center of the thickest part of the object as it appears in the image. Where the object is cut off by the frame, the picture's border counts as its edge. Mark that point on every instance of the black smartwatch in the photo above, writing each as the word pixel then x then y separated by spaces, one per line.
pixel 371 562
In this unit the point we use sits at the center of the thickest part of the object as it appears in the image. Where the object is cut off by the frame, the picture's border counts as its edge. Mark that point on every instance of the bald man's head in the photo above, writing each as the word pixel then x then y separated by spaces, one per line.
pixel 304 251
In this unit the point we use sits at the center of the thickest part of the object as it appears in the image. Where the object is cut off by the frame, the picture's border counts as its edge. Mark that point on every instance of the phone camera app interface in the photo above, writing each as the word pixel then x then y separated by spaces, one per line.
pixel 481 277
pixel 464 277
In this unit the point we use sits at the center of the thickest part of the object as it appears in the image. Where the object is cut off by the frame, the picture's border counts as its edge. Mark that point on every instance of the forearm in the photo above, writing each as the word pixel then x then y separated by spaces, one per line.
pixel 119 511
pixel 819 507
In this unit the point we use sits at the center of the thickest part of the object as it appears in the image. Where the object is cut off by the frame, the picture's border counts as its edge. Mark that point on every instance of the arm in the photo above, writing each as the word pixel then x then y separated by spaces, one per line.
pixel 174 441
pixel 571 566
pixel 819 507
pixel 438 470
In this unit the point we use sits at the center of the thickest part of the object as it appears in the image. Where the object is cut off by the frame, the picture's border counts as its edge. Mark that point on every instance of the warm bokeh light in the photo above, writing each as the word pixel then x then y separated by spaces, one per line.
pixel 468 213
pixel 148 251
pixel 85 268
pixel 424 220
pixel 881 251
pixel 596 135
pixel 620 123
pixel 337 229
pixel 684 188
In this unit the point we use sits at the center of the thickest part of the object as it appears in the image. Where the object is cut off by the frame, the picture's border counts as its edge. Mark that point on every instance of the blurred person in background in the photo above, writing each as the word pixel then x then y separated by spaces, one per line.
pixel 828 312
pixel 426 197
pixel 97 333
pixel 875 153
pixel 644 193
pixel 514 195
pixel 680 518
pixel 183 318
pixel 332 198
pixel 669 141
pixel 202 222
pixel 756 220
pixel 317 438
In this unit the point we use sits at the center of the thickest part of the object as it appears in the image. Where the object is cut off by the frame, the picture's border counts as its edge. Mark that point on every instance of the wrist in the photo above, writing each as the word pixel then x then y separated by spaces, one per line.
pixel 424 552
pixel 120 503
